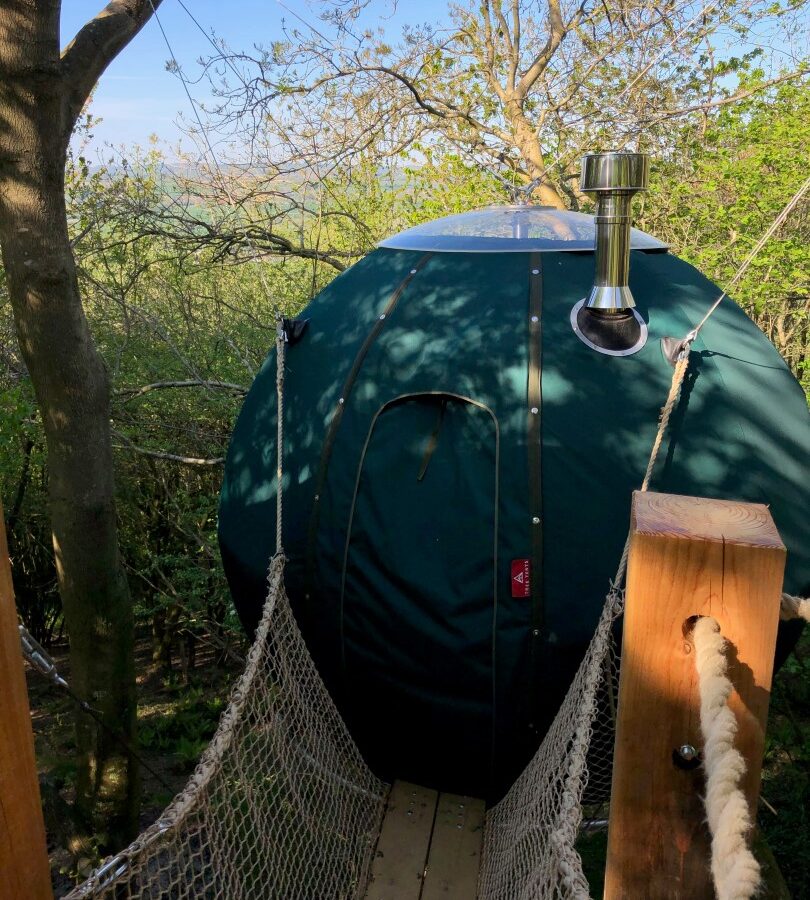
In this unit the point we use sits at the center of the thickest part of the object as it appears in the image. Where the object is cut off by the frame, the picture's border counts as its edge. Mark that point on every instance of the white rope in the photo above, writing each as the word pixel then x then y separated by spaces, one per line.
pixel 735 871
pixel 794 608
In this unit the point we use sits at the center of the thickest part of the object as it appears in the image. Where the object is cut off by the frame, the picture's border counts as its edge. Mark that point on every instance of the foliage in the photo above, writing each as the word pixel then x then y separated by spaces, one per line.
pixel 720 187
pixel 186 731
pixel 173 303
pixel 445 184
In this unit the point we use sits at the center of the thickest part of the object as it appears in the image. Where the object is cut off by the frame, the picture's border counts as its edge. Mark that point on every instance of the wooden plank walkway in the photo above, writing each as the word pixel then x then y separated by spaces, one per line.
pixel 429 846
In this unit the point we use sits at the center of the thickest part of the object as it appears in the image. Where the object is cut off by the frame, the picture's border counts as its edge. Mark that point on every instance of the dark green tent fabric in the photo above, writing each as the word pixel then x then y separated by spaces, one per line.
pixel 433 477
pixel 428 474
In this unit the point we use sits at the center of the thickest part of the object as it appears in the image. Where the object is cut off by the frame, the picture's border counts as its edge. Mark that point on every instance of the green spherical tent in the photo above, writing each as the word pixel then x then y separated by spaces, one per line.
pixel 458 473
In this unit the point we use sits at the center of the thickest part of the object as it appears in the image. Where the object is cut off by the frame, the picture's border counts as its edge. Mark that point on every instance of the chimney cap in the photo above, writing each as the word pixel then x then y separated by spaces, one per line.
pixel 615 171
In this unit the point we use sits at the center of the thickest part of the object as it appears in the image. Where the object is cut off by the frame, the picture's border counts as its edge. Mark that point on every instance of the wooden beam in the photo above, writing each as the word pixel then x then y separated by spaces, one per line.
pixel 398 870
pixel 455 849
pixel 24 867
pixel 688 556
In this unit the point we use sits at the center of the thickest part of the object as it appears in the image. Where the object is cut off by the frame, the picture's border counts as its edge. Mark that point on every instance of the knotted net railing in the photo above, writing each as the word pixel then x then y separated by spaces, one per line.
pixel 530 836
pixel 281 804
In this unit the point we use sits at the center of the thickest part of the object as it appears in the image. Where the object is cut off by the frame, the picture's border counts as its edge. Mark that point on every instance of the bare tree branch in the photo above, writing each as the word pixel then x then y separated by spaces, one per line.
pixel 95 46
pixel 133 393
pixel 172 457
pixel 725 101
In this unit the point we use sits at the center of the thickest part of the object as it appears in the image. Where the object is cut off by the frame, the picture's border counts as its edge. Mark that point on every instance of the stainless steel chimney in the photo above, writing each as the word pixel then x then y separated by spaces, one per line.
pixel 614 178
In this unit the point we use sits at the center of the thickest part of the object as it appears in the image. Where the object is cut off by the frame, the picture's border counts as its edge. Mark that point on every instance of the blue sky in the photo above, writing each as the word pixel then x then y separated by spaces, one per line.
pixel 137 97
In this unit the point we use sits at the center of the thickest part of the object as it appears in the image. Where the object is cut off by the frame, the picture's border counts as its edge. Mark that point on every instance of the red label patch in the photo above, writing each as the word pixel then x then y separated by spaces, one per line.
pixel 521 578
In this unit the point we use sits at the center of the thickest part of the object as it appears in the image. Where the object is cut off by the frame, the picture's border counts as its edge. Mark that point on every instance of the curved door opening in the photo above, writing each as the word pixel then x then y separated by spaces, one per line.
pixel 418 599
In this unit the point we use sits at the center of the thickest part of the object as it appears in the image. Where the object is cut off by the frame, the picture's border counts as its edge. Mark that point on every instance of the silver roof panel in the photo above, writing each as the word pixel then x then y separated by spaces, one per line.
pixel 510 229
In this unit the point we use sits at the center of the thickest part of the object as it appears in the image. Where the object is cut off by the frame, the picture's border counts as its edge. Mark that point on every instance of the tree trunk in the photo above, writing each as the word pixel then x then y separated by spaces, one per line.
pixel 40 96
pixel 527 142
pixel 164 635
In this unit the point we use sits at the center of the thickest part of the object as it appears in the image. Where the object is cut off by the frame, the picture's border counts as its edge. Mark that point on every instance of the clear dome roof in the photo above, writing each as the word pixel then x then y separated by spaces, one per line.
pixel 510 229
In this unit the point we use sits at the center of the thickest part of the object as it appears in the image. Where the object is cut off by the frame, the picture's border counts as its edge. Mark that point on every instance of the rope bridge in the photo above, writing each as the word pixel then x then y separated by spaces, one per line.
pixel 282 805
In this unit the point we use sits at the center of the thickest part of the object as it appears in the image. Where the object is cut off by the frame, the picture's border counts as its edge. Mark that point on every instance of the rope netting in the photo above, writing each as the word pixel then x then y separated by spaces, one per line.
pixel 281 804
pixel 530 835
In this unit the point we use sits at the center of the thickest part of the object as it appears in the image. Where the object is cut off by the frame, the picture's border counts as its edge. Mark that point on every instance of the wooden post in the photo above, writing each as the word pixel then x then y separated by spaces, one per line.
pixel 24 866
pixel 688 557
